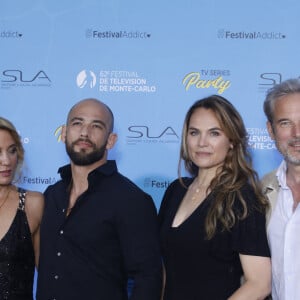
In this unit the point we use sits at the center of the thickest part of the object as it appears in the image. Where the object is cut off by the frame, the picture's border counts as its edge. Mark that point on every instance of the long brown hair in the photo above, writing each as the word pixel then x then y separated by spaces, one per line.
pixel 236 171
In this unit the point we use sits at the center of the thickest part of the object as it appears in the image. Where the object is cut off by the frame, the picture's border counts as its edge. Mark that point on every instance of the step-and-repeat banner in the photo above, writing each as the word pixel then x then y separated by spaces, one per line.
pixel 149 61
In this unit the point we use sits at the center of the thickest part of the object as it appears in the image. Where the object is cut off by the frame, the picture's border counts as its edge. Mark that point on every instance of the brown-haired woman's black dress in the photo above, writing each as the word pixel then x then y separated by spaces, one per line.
pixel 202 269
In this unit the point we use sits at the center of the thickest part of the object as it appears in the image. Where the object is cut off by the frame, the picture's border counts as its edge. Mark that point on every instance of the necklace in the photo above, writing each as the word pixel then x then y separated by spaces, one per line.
pixel 5 199
pixel 199 189
pixel 195 195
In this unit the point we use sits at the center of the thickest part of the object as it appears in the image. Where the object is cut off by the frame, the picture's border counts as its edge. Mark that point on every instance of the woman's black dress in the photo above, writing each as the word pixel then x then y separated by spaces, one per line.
pixel 17 258
pixel 201 269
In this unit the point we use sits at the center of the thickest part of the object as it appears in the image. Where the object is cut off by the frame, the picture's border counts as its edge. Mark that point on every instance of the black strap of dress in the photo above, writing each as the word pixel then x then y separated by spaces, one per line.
pixel 22 196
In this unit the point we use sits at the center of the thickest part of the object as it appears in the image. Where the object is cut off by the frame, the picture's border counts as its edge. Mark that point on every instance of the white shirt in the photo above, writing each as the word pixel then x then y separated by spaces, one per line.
pixel 284 240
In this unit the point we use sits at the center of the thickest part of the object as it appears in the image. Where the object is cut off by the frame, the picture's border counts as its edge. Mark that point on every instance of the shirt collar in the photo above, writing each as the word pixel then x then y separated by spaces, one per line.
pixel 106 169
pixel 281 175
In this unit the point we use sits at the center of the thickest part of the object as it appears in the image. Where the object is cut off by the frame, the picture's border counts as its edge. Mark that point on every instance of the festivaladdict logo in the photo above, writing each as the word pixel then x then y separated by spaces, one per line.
pixel 10 34
pixel 91 33
pixel 249 35
pixel 156 183
pixel 38 180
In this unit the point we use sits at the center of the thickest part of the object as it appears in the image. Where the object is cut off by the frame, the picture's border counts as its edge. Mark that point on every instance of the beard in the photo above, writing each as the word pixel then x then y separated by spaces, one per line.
pixel 84 158
pixel 288 155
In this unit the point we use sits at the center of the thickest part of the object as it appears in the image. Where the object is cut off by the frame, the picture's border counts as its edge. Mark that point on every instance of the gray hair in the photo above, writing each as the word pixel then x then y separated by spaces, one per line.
pixel 287 87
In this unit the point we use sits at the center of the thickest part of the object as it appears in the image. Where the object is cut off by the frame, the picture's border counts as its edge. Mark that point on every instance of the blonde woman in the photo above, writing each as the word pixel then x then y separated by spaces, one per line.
pixel 20 216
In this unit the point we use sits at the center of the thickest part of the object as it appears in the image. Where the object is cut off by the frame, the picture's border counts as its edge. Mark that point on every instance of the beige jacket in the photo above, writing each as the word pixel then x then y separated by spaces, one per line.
pixel 270 188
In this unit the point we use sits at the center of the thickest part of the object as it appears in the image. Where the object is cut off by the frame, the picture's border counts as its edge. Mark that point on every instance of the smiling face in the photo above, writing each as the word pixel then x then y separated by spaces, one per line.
pixel 8 157
pixel 88 133
pixel 285 129
pixel 207 143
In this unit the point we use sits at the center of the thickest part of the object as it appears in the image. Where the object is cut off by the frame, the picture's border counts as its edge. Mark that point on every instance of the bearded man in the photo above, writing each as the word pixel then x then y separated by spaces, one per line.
pixel 99 229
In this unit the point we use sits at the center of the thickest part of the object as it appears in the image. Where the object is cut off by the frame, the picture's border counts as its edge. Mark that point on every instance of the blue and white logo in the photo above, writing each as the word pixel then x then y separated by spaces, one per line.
pixel 86 79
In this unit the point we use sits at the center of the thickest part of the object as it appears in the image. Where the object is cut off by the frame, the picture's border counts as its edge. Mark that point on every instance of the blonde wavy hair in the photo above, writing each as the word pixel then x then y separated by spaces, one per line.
pixel 10 128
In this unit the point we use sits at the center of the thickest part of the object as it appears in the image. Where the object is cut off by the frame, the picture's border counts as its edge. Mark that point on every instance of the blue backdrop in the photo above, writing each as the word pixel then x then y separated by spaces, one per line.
pixel 149 61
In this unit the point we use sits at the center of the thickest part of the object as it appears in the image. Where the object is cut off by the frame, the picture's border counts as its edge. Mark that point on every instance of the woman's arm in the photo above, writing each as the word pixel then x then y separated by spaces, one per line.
pixel 257 275
pixel 163 282
pixel 34 209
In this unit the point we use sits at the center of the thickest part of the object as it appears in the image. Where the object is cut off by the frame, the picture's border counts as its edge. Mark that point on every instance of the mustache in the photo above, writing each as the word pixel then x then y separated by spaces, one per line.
pixel 88 141
pixel 292 142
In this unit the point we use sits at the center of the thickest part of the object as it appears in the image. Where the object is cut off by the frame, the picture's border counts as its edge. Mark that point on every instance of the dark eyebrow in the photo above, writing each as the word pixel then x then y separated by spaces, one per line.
pixel 216 128
pixel 12 146
pixel 100 122
pixel 75 119
pixel 283 119
pixel 82 119
pixel 210 129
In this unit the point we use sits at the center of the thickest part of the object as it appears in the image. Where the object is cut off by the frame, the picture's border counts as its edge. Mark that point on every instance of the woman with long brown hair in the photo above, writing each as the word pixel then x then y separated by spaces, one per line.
pixel 212 225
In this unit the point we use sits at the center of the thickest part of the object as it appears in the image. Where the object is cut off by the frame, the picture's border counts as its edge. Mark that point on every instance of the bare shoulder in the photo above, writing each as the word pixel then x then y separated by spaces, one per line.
pixel 34 197
pixel 34 204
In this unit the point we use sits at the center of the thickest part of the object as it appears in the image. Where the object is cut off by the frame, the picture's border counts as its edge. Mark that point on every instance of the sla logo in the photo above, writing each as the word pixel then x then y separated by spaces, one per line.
pixel 141 134
pixel 86 78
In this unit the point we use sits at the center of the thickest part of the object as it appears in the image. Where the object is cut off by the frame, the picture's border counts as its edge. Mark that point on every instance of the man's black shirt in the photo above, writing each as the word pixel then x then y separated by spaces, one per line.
pixel 109 236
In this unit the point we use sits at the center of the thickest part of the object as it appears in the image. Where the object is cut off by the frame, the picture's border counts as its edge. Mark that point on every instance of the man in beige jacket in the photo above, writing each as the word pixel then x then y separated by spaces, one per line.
pixel 282 187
